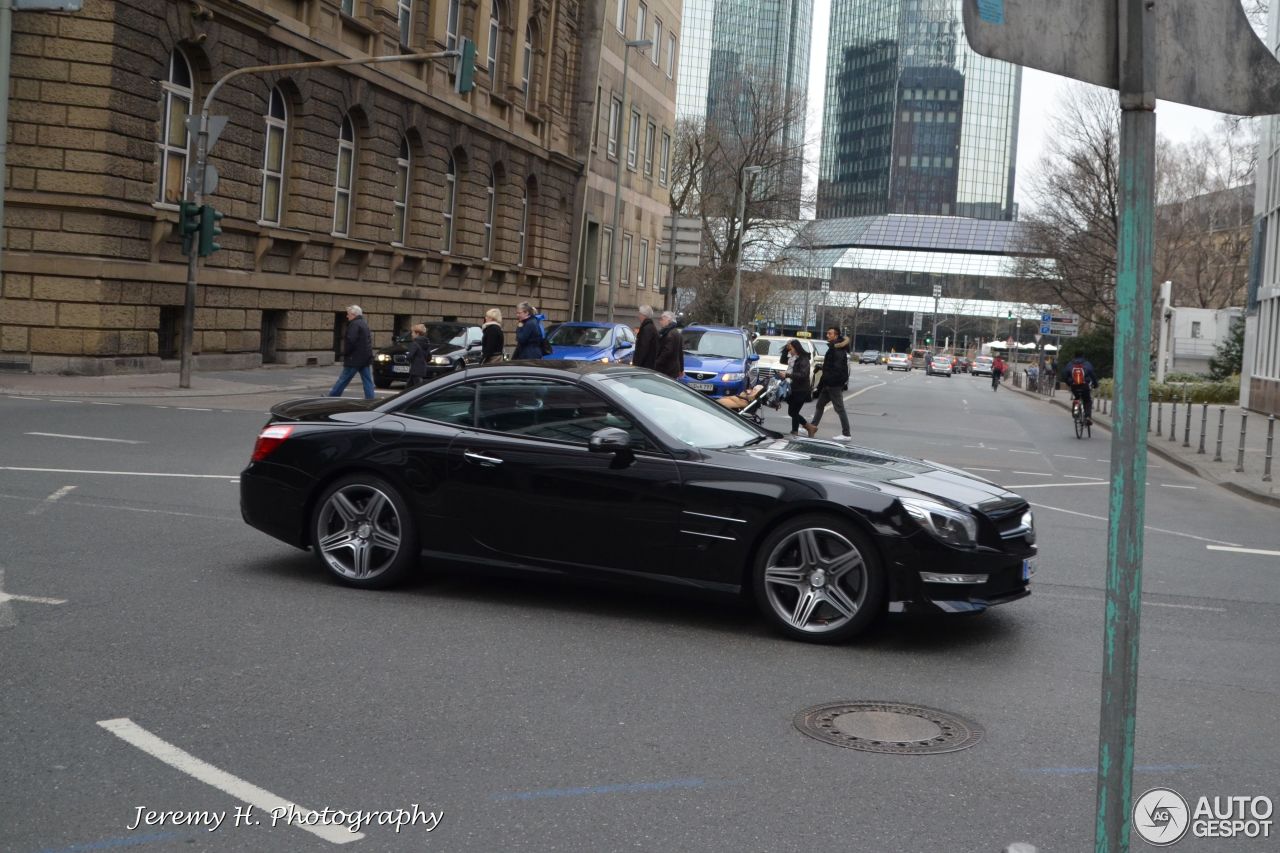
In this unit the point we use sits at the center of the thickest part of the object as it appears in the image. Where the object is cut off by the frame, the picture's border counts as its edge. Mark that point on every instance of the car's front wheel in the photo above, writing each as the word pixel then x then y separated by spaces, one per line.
pixel 362 532
pixel 818 579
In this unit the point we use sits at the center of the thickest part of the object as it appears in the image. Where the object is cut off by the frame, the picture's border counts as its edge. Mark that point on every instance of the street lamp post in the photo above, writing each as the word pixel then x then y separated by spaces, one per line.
pixel 822 306
pixel 747 172
pixel 884 321
pixel 937 292
pixel 615 255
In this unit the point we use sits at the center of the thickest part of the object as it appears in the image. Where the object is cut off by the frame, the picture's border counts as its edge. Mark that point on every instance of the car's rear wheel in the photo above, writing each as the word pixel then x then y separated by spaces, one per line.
pixel 362 532
pixel 818 579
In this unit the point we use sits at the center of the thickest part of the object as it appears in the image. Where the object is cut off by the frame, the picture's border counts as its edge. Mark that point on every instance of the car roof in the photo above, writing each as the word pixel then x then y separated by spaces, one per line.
pixel 708 328
pixel 592 324
pixel 535 367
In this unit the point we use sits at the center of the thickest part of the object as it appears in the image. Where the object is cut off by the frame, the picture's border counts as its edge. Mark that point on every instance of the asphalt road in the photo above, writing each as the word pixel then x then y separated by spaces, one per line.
pixel 538 716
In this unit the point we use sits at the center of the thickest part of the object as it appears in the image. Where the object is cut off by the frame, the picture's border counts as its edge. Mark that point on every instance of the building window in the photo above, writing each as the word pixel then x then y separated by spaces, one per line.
pixel 400 215
pixel 405 14
pixel 671 55
pixel 450 203
pixel 642 20
pixel 655 36
pixel 348 7
pixel 527 65
pixel 1195 328
pixel 495 35
pixel 624 274
pixel 174 141
pixel 642 274
pixel 902 160
pixel 342 184
pixel 615 122
pixel 451 25
pixel 621 21
pixel 650 139
pixel 659 270
pixel 524 226
pixel 277 121
pixel 595 119
pixel 606 252
pixel 665 164
pixel 489 210
pixel 633 139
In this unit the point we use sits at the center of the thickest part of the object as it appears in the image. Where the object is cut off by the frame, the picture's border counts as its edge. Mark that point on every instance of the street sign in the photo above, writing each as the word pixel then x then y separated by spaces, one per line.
pixel 1038 339
pixel 1044 329
pixel 915 321
pixel 688 243
pixel 216 125
pixel 1046 317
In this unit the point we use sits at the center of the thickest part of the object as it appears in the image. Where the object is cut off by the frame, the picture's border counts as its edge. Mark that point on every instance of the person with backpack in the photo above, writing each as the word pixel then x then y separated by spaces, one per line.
pixel 531 343
pixel 834 382
pixel 997 371
pixel 1080 378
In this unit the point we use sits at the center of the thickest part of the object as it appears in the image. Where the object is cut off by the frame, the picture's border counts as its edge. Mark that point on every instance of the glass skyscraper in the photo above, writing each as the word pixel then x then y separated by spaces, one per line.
pixel 914 121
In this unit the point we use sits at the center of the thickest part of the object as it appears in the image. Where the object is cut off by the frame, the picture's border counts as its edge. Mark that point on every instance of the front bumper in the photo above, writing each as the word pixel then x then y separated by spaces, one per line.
pixel 715 388
pixel 929 577
pixel 392 372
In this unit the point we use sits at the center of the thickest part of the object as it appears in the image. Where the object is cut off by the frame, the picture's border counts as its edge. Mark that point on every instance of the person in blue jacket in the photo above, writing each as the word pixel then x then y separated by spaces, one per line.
pixel 529 336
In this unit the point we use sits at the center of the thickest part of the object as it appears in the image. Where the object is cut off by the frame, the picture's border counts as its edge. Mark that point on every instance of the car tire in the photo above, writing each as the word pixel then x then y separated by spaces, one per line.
pixel 818 579
pixel 362 532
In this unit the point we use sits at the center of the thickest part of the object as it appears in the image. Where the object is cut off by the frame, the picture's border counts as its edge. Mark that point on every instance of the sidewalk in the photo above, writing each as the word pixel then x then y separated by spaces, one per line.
pixel 304 381
pixel 1248 483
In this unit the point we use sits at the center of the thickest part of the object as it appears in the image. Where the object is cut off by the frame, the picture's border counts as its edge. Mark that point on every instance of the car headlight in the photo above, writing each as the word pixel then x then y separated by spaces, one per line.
pixel 955 527
pixel 1029 522
pixel 732 377
pixel 440 359
pixel 606 359
pixel 382 356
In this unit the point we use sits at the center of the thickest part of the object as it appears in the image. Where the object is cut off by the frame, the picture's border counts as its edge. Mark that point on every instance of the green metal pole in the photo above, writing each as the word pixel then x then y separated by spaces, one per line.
pixel 1118 721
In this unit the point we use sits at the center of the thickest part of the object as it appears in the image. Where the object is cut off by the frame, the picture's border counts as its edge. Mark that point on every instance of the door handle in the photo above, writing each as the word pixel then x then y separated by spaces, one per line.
pixel 480 459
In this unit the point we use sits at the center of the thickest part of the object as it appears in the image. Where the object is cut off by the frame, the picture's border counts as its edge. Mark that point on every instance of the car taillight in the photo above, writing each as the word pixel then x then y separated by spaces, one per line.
pixel 270 439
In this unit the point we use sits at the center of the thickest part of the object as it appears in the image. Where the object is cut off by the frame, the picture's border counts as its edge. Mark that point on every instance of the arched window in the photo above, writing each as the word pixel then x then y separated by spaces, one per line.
pixel 174 141
pixel 490 207
pixel 400 218
pixel 273 149
pixel 343 183
pixel 450 200
pixel 526 75
pixel 495 39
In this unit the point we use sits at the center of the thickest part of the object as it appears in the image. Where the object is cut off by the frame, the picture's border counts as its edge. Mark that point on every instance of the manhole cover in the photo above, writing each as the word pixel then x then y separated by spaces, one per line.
pixel 888 727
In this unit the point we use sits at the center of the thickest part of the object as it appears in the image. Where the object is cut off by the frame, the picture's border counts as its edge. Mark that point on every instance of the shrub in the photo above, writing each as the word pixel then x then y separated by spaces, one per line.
pixel 1227 391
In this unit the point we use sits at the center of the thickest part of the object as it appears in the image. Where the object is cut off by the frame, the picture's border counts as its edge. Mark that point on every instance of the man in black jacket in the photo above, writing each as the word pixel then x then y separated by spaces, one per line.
pixel 834 382
pixel 357 354
pixel 646 353
pixel 670 357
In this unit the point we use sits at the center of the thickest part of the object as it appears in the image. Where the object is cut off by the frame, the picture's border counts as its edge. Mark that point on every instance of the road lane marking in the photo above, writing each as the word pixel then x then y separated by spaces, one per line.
pixel 96 403
pixel 1030 452
pixel 85 437
pixel 1058 485
pixel 119 473
pixel 8 618
pixel 1078 477
pixel 1065 456
pixel 1033 473
pixel 983 469
pixel 133 734
pixel 1238 550
pixel 190 409
pixel 44 505
pixel 1145 603
pixel 863 391
pixel 66 401
pixel 1146 527
pixel 1172 486
pixel 621 788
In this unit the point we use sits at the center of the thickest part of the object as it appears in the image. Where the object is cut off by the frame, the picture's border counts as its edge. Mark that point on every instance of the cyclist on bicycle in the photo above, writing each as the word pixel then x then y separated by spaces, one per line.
pixel 1079 377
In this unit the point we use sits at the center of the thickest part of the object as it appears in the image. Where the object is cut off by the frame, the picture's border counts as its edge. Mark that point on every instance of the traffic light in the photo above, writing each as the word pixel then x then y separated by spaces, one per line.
pixel 928 341
pixel 209 219
pixel 188 223
pixel 465 79
pixel 1010 315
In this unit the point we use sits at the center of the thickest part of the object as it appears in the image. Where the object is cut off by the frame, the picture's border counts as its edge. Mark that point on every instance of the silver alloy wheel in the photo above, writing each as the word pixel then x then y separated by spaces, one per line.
pixel 358 532
pixel 815 580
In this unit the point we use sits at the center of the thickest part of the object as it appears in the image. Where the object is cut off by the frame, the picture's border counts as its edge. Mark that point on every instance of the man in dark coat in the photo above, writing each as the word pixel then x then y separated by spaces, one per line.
pixel 419 356
pixel 834 381
pixel 357 354
pixel 646 354
pixel 670 355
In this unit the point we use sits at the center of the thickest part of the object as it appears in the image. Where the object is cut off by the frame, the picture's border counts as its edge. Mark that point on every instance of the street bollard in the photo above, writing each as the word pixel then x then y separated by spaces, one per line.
pixel 1186 432
pixel 1204 422
pixel 1266 466
pixel 1244 419
pixel 1173 422
pixel 1160 418
pixel 1222 416
pixel 1149 421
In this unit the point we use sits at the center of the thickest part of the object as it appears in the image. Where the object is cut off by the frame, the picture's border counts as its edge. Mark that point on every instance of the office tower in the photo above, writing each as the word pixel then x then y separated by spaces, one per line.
pixel 913 120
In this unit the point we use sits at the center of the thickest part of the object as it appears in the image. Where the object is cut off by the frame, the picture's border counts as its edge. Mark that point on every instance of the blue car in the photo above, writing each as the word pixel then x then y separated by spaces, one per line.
pixel 583 340
pixel 716 360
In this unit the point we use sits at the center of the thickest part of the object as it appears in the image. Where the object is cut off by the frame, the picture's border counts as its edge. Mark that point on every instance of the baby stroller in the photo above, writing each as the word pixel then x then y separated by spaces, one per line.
pixel 747 404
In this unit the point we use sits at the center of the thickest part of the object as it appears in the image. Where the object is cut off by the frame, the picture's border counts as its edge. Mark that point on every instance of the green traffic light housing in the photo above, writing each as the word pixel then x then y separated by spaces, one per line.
pixel 188 223
pixel 209 219
pixel 465 78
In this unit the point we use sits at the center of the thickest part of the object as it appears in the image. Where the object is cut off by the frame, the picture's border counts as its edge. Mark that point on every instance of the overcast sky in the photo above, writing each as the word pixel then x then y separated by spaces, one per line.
pixel 1040 95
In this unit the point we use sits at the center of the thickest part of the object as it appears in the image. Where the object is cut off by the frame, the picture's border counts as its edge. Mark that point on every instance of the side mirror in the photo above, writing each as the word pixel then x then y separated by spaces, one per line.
pixel 609 440
pixel 624 345
pixel 475 345
pixel 753 357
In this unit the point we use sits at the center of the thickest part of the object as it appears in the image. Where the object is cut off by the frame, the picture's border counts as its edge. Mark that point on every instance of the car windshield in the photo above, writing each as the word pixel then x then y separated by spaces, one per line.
pixel 447 333
pixel 580 336
pixel 714 344
pixel 982 359
pixel 686 415
pixel 820 348
pixel 764 346
pixel 871 353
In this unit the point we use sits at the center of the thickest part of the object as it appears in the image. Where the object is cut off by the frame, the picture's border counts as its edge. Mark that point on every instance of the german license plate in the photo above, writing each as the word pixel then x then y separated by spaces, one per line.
pixel 702 386
pixel 1028 568
pixel 399 368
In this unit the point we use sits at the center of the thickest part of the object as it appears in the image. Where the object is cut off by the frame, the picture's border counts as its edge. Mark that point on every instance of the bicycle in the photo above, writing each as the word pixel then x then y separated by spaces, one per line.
pixel 1083 427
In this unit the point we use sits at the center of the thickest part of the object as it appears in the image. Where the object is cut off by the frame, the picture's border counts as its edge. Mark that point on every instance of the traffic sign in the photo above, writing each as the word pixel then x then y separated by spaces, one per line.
pixel 1044 328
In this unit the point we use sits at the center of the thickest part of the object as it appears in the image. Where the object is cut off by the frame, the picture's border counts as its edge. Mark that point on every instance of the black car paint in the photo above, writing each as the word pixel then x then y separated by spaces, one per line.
pixel 398 354
pixel 675 514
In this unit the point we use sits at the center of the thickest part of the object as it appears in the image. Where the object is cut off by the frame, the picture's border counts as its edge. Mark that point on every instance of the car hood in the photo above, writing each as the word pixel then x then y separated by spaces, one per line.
pixel 897 476
pixel 438 349
pixel 717 363
pixel 323 409
pixel 569 353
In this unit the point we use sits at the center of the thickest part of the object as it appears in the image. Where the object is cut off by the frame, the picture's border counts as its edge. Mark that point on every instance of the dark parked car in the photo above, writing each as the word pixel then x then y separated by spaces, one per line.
pixel 453 345
pixel 612 472
pixel 962 364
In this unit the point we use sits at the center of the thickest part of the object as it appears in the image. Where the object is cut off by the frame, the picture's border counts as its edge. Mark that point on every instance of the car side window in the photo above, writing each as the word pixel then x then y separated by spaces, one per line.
pixel 558 411
pixel 453 405
pixel 474 336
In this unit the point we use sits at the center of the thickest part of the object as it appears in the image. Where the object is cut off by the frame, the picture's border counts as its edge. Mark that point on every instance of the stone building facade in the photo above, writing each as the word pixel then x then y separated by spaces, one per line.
pixel 377 185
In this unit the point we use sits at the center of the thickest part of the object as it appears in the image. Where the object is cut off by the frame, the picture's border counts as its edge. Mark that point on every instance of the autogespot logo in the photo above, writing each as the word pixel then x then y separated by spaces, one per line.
pixel 1160 816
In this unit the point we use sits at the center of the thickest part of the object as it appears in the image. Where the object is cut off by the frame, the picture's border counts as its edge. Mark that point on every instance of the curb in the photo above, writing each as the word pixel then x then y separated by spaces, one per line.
pixel 236 391
pixel 1177 460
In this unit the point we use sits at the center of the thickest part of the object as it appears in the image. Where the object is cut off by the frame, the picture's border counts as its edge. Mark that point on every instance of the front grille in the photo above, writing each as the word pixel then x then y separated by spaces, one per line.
pixel 400 358
pixel 700 375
